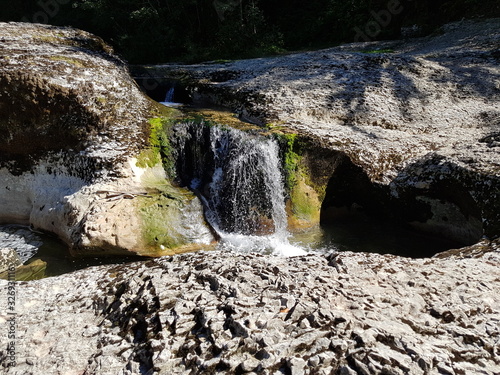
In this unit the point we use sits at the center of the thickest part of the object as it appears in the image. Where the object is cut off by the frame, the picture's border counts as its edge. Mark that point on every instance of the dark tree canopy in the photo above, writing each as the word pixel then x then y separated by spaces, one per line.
pixel 152 31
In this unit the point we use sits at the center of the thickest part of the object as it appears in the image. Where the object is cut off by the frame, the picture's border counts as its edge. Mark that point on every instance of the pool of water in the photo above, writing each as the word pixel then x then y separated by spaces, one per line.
pixel 44 255
pixel 360 234
pixel 349 234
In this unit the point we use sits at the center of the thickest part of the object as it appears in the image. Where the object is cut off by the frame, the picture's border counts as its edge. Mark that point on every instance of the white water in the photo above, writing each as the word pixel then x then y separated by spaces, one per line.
pixel 255 161
pixel 246 200
pixel 169 99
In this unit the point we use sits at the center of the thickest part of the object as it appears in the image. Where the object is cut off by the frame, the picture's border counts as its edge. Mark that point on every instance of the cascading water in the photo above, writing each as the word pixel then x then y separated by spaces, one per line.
pixel 239 178
pixel 169 98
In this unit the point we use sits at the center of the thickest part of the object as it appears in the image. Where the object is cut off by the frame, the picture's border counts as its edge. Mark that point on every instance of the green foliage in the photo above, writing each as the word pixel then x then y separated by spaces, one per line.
pixel 200 30
pixel 244 33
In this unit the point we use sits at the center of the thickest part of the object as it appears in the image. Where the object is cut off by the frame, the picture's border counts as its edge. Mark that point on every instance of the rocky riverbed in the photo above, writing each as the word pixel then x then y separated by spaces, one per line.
pixel 220 312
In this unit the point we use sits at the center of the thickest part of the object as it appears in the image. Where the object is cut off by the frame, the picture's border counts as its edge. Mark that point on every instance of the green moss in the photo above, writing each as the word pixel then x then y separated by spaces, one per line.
pixel 305 202
pixel 291 157
pixel 387 50
pixel 148 158
pixel 162 218
pixel 160 150
pixel 35 270
pixel 305 191
pixel 48 38
pixel 158 213
pixel 221 61
pixel 162 214
pixel 217 117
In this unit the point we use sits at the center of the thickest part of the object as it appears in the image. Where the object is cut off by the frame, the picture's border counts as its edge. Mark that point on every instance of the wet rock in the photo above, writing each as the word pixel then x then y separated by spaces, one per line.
pixel 8 259
pixel 77 157
pixel 24 241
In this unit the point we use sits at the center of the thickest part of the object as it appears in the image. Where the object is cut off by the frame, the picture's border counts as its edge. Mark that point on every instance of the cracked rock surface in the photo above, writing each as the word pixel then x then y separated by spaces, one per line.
pixel 220 312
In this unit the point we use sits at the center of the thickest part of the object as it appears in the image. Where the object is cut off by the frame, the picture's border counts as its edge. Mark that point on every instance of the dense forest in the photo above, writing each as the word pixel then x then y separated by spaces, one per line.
pixel 153 31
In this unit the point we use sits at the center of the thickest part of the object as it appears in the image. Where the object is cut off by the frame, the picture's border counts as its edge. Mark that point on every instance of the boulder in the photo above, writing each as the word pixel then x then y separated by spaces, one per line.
pixel 79 155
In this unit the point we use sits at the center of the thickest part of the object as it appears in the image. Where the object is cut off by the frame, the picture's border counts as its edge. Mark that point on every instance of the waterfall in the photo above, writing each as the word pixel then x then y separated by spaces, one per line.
pixel 238 174
pixel 169 97
pixel 246 192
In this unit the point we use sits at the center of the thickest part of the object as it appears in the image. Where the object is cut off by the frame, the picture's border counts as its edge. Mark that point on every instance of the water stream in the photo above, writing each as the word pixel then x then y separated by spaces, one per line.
pixel 238 176
pixel 169 98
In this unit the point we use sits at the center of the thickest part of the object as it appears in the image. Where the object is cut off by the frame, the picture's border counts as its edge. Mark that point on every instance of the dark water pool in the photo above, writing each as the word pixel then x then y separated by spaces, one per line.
pixel 355 234
pixel 360 234
pixel 52 258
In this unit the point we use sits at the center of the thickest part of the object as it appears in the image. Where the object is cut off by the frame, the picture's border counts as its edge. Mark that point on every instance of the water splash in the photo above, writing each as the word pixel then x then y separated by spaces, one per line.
pixel 239 177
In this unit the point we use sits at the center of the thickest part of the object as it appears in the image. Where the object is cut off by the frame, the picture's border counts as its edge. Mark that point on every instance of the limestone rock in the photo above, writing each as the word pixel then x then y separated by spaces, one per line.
pixel 75 127
pixel 416 130
pixel 22 240
pixel 379 314
pixel 8 259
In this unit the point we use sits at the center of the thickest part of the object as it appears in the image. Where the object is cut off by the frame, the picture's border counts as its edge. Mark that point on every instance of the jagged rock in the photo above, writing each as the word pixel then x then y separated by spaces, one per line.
pixel 76 148
pixel 22 240
pixel 9 259
pixel 413 133
pixel 379 314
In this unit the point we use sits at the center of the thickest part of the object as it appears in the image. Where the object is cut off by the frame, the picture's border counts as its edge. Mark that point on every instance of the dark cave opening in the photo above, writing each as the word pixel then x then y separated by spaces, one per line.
pixel 360 215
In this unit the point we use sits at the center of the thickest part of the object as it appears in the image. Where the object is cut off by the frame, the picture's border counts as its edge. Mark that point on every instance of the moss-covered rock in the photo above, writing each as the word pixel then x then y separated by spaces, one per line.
pixel 83 148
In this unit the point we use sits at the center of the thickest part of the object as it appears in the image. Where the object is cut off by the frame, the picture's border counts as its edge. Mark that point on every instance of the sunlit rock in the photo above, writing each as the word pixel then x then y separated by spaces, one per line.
pixel 78 156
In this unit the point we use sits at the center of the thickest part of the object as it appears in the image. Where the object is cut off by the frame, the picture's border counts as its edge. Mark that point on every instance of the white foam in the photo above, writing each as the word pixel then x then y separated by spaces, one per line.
pixel 171 104
pixel 270 245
